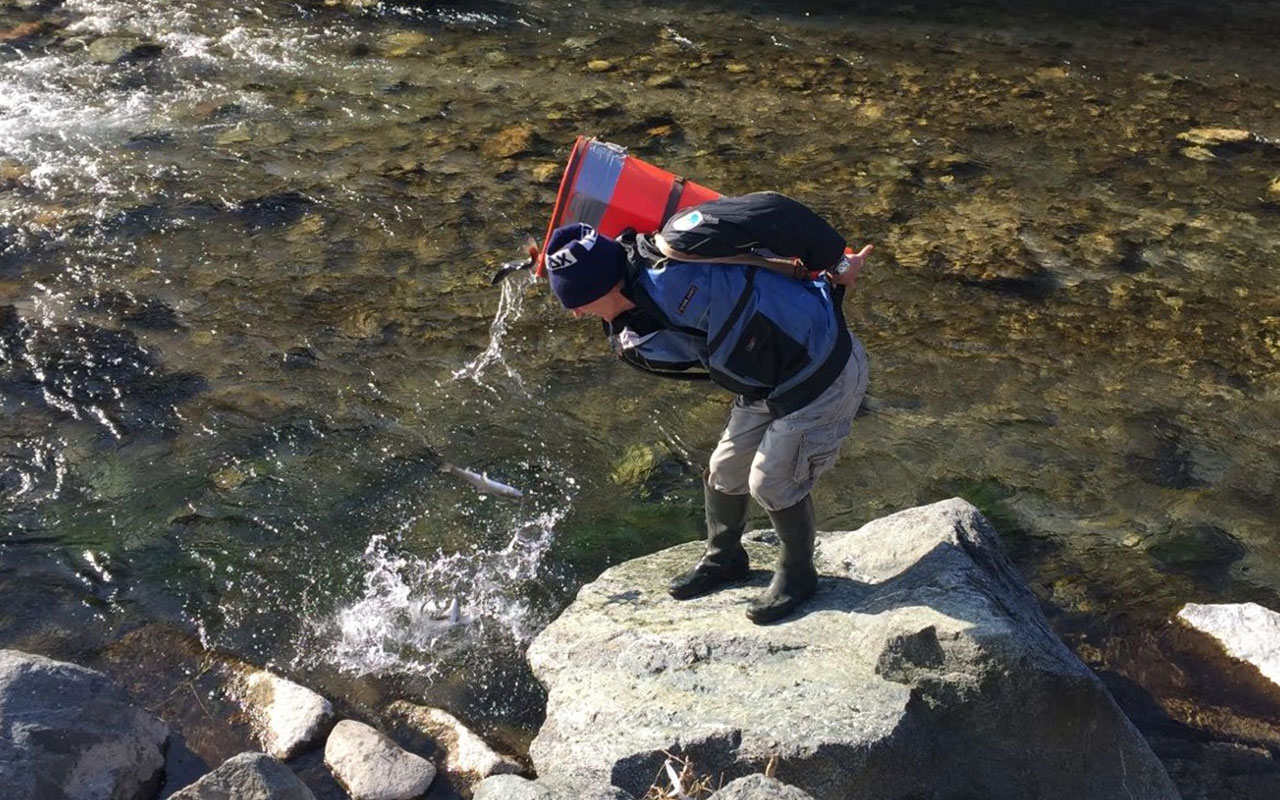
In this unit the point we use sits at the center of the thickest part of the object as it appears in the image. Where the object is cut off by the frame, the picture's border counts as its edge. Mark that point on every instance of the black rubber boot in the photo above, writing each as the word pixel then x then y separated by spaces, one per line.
pixel 724 559
pixel 795 579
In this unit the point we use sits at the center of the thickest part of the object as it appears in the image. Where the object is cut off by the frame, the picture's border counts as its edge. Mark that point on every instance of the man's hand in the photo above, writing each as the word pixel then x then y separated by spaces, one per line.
pixel 856 262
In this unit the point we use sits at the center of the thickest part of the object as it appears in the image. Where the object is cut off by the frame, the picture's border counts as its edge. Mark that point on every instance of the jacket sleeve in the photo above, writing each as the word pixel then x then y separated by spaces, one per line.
pixel 664 353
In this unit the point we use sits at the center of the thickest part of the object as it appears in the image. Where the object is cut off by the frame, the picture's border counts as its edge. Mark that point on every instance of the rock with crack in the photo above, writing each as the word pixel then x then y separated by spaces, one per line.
pixel 286 717
pixel 68 732
pixel 923 668
pixel 248 776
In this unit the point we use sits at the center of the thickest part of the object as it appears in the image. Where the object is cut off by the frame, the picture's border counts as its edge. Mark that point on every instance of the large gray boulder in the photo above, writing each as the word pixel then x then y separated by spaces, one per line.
pixel 68 733
pixel 248 776
pixel 923 668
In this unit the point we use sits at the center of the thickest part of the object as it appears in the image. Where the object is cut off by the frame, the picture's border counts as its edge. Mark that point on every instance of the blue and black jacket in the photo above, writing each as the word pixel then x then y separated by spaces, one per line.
pixel 755 332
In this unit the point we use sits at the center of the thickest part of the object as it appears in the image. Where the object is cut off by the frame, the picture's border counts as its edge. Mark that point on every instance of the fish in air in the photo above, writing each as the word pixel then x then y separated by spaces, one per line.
pixel 483 483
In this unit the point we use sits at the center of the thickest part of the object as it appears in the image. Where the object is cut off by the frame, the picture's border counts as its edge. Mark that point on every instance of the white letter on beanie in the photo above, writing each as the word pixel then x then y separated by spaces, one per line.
pixel 561 258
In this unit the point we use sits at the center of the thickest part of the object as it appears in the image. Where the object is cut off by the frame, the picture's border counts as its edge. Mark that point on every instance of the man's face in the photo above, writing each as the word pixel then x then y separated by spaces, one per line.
pixel 606 308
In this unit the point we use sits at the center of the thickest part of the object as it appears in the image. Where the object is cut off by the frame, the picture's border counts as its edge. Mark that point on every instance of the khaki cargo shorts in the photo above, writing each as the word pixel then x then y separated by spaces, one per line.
pixel 778 460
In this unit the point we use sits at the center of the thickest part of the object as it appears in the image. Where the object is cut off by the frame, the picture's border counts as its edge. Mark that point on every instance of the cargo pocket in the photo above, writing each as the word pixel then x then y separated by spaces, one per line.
pixel 819 449
pixel 765 353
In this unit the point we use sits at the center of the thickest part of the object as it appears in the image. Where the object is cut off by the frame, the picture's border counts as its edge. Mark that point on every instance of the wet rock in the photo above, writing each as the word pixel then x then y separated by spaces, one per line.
pixel 1247 631
pixel 13 174
pixel 286 717
pixel 144 52
pixel 1215 137
pixel 758 787
pixel 280 208
pixel 466 754
pixel 1197 547
pixel 511 141
pixel 248 776
pixel 578 43
pixel 737 68
pixel 19 34
pixel 141 311
pixel 70 733
pixel 956 167
pixel 512 787
pixel 1274 188
pixel 370 766
pixel 1198 153
pixel 300 356
pixel 238 135
pixel 229 479
pixel 601 65
pixel 633 466
pixel 117 49
pixel 663 81
pixel 110 49
pixel 1159 453
pixel 402 43
pixel 979 240
pixel 547 173
pixel 923 647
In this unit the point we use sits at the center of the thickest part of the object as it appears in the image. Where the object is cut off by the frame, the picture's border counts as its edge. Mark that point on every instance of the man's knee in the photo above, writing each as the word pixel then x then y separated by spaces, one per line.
pixel 775 494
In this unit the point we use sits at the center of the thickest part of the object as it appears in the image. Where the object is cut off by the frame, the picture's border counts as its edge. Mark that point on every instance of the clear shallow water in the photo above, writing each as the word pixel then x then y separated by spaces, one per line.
pixel 244 261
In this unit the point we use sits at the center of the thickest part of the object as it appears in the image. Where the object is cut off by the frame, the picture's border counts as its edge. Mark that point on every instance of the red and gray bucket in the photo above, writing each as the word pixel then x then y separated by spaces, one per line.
pixel 612 191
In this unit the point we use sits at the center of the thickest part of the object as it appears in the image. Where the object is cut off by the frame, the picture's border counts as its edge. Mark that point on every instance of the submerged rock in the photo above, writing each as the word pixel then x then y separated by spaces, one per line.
pixel 286 717
pixel 924 667
pixel 89 372
pixel 370 766
pixel 1213 137
pixel 466 755
pixel 248 776
pixel 512 141
pixel 68 732
pixel 113 49
pixel 1247 631
pixel 141 311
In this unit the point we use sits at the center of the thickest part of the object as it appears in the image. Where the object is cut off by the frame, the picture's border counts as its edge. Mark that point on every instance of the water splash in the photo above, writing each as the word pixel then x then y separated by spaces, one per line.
pixel 510 307
pixel 415 614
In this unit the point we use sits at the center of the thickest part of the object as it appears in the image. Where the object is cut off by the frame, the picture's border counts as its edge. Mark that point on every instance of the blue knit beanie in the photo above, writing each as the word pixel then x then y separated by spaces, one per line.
pixel 583 265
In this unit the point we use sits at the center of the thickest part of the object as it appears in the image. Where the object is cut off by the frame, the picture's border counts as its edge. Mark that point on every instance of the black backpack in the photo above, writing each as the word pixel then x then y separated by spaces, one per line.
pixel 763 228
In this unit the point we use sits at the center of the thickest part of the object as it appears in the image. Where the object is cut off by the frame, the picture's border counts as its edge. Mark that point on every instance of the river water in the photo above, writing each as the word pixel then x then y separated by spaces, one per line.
pixel 245 316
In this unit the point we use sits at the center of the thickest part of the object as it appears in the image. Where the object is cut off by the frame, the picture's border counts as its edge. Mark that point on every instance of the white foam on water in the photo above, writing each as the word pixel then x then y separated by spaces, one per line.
pixel 415 613
pixel 510 307
pixel 66 117
pixel 200 33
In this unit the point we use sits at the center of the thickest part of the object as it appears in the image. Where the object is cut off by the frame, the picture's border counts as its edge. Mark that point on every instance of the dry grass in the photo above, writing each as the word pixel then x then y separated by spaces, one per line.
pixel 678 780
